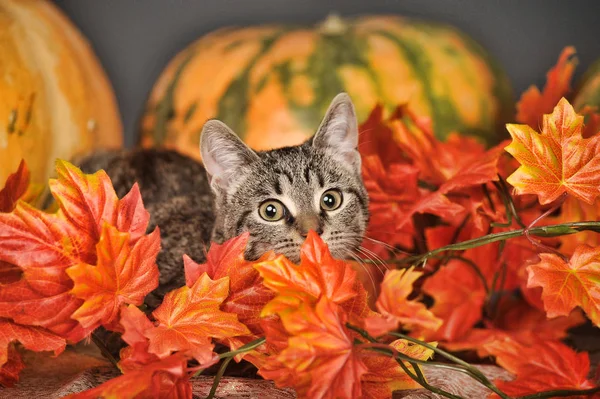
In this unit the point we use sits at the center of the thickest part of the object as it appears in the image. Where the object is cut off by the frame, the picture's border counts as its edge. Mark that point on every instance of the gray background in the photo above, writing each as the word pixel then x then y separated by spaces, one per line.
pixel 135 39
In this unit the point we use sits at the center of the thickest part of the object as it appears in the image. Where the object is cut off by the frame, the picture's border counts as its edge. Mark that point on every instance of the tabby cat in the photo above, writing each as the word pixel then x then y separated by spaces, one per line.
pixel 277 196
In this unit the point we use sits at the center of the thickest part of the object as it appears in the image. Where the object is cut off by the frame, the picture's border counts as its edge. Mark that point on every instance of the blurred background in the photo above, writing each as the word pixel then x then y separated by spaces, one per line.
pixel 135 40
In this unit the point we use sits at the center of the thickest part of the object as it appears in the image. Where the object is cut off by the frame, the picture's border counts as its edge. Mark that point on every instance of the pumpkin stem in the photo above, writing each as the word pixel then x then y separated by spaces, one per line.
pixel 333 25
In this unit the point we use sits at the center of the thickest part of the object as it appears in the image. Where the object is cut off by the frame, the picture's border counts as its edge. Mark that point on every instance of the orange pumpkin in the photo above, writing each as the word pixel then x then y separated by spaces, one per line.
pixel 272 84
pixel 55 100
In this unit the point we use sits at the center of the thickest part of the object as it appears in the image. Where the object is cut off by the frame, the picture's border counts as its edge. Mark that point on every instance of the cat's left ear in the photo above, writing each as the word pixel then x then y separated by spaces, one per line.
pixel 338 131
pixel 223 153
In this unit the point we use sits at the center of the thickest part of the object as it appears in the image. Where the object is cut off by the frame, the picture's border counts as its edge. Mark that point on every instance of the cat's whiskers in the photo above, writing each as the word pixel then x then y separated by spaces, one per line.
pixel 376 257
pixel 364 267
pixel 372 261
pixel 386 245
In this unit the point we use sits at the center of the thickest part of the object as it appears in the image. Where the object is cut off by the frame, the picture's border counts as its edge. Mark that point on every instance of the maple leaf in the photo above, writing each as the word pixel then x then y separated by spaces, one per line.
pixel 321 347
pixel 517 320
pixel 542 366
pixel 385 375
pixel 533 104
pixel 395 307
pixel 566 285
pixel 10 370
pixel 392 191
pixel 430 177
pixel 135 324
pixel 14 188
pixel 377 138
pixel 122 275
pixel 318 274
pixel 458 296
pixel 166 378
pixel 189 317
pixel 571 210
pixel 247 294
pixel 557 161
pixel 44 245
pixel 33 338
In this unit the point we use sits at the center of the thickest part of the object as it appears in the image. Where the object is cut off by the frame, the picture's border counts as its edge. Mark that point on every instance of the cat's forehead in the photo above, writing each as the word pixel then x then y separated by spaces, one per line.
pixel 301 166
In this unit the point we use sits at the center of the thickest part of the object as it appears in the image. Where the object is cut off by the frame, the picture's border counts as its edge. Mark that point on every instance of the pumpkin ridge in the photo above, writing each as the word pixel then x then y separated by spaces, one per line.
pixel 233 104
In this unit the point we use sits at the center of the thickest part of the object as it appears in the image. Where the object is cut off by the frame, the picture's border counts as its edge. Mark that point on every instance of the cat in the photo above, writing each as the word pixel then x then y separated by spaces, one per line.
pixel 277 196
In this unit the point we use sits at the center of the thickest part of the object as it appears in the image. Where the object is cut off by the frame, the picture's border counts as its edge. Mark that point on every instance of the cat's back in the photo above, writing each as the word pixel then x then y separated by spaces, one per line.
pixel 176 192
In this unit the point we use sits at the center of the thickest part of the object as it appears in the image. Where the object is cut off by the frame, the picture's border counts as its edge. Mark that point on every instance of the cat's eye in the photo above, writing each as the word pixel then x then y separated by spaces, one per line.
pixel 271 210
pixel 331 200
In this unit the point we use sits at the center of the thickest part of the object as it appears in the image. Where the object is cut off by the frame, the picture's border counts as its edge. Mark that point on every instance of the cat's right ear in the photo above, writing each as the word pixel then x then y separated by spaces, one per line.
pixel 223 153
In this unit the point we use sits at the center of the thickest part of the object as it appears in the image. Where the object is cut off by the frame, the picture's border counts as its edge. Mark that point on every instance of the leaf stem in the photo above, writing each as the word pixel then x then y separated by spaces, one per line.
pixel 98 342
pixel 242 349
pixel 553 230
pixel 557 204
pixel 218 377
pixel 228 356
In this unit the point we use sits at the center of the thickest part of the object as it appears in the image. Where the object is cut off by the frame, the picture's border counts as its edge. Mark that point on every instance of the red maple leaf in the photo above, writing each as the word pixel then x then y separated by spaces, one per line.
pixel 124 274
pixel 14 188
pixel 33 338
pixel 44 245
pixel 189 317
pixel 459 296
pixel 542 366
pixel 533 104
pixel 10 370
pixel 247 294
pixel 430 176
pixel 166 378
pixel 558 160
pixel 320 353
pixel 517 320
pixel 396 308
pixel 566 285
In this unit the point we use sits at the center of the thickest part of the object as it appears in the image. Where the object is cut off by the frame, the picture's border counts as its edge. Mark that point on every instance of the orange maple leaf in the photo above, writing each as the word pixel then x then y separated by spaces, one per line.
pixel 385 375
pixel 247 294
pixel 394 306
pixel 557 161
pixel 533 104
pixel 44 245
pixel 542 366
pixel 575 210
pixel 135 324
pixel 318 274
pixel 566 285
pixel 189 317
pixel 321 348
pixel 166 378
pixel 124 274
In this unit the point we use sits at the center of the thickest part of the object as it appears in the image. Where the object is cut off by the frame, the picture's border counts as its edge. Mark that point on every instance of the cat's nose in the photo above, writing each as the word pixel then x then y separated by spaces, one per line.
pixel 307 223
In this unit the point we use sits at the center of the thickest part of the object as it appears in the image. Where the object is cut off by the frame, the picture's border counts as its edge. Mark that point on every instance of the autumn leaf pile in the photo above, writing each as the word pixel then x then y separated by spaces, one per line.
pixel 492 251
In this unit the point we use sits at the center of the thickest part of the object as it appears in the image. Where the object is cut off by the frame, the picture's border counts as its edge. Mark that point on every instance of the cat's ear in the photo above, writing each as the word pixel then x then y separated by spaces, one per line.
pixel 223 153
pixel 339 130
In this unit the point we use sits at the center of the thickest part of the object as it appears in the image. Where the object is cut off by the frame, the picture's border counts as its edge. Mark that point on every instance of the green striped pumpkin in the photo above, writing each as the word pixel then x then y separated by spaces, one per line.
pixel 588 90
pixel 272 84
